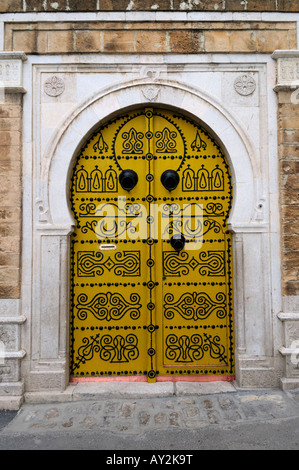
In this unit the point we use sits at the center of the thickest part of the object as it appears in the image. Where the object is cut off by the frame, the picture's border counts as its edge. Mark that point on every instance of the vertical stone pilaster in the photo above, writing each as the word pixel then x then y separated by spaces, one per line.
pixel 11 317
pixel 11 93
pixel 287 89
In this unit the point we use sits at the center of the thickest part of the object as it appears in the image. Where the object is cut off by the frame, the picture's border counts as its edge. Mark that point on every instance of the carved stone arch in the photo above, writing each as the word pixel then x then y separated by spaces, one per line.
pixel 232 138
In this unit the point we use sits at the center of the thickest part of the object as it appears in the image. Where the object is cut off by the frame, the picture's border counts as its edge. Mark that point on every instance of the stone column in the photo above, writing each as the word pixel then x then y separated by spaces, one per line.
pixel 11 317
pixel 287 89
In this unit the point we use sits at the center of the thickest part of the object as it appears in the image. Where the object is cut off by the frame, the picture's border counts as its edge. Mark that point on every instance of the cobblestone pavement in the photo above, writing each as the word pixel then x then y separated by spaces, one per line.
pixel 148 423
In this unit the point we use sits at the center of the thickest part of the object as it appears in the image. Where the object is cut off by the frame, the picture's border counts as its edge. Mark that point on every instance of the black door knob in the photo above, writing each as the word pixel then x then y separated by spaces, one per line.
pixel 170 179
pixel 128 179
pixel 177 242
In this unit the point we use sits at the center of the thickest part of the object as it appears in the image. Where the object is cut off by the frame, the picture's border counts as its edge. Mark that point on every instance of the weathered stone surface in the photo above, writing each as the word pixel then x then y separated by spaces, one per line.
pixel 88 41
pixel 60 5
pixel 288 139
pixel 149 37
pixel 11 6
pixel 148 5
pixel 118 41
pixel 10 195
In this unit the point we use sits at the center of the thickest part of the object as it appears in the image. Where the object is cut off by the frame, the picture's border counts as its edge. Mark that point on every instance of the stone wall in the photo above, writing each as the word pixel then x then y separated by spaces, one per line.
pixel 149 5
pixel 288 124
pixel 10 194
pixel 150 37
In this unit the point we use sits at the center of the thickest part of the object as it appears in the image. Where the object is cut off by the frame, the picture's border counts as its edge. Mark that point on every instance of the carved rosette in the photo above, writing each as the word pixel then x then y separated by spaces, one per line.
pixel 54 86
pixel 245 85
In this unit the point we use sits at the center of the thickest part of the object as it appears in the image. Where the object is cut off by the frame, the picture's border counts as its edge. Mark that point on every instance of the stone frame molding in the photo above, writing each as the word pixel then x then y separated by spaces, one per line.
pixel 46 283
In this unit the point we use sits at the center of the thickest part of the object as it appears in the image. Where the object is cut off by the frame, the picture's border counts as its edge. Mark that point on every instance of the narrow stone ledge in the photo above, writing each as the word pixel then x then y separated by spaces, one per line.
pixel 293 316
pixel 203 388
pixel 13 354
pixel 289 383
pixel 50 397
pixel 99 390
pixel 10 403
pixel 288 351
pixel 11 395
pixel 122 390
pixel 18 320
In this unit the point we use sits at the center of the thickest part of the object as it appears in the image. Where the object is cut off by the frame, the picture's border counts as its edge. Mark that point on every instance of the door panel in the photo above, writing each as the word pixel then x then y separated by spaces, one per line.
pixel 139 306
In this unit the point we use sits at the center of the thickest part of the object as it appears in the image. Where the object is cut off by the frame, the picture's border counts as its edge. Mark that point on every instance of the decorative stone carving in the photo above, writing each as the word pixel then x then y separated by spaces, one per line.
pixel 260 209
pixel 151 92
pixel 152 73
pixel 245 85
pixel 43 215
pixel 287 69
pixel 54 86
pixel 11 71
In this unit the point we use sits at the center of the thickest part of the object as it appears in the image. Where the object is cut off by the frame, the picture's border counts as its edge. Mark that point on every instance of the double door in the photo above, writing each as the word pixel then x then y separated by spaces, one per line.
pixel 151 255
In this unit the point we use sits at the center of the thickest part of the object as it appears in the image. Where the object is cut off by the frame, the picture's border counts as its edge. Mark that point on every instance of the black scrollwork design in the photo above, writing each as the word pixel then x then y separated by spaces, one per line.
pixel 90 263
pixel 132 142
pixel 108 306
pixel 116 349
pixel 176 264
pixel 216 349
pixel 92 225
pixel 89 348
pixel 128 263
pixel 186 349
pixel 189 220
pixel 211 263
pixel 100 145
pixel 119 349
pixel 198 143
pixel 166 141
pixel 195 306
pixel 214 209
pixel 116 221
pixel 87 209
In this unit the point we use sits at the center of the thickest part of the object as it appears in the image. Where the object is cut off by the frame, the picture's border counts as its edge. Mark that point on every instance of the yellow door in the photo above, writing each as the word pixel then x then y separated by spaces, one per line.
pixel 151 256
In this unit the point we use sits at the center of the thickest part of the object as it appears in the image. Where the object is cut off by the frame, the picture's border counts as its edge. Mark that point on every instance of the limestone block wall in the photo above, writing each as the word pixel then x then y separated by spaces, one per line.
pixel 288 156
pixel 10 194
pixel 165 37
pixel 288 123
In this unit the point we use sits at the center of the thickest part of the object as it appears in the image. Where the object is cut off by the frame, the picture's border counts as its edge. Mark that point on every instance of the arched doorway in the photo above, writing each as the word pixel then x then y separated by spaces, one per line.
pixel 151 255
